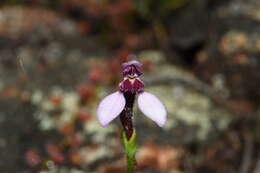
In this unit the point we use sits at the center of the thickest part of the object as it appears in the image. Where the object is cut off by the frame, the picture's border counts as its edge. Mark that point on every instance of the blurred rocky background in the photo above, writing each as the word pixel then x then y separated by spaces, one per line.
pixel 59 58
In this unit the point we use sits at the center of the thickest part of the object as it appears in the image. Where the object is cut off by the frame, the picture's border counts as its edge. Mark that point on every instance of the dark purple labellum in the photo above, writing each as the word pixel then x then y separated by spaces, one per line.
pixel 127 114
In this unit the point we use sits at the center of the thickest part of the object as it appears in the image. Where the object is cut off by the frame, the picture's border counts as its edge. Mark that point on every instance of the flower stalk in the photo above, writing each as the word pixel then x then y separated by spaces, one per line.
pixel 130 150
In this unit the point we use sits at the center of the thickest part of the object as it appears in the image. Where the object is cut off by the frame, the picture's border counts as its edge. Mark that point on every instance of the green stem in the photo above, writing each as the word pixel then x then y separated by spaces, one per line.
pixel 130 150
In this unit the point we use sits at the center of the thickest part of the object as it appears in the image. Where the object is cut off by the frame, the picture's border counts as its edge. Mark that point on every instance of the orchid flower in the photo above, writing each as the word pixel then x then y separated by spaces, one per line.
pixel 121 101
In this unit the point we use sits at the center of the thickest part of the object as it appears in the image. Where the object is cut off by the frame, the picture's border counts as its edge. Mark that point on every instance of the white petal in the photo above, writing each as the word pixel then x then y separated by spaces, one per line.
pixel 152 107
pixel 110 107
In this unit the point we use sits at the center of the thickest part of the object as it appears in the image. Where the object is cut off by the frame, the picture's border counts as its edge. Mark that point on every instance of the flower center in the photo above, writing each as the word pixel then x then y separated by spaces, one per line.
pixel 134 85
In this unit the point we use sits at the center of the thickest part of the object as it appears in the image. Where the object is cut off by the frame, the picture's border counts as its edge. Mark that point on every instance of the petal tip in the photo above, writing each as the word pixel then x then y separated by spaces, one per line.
pixel 102 120
pixel 161 123
pixel 103 123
